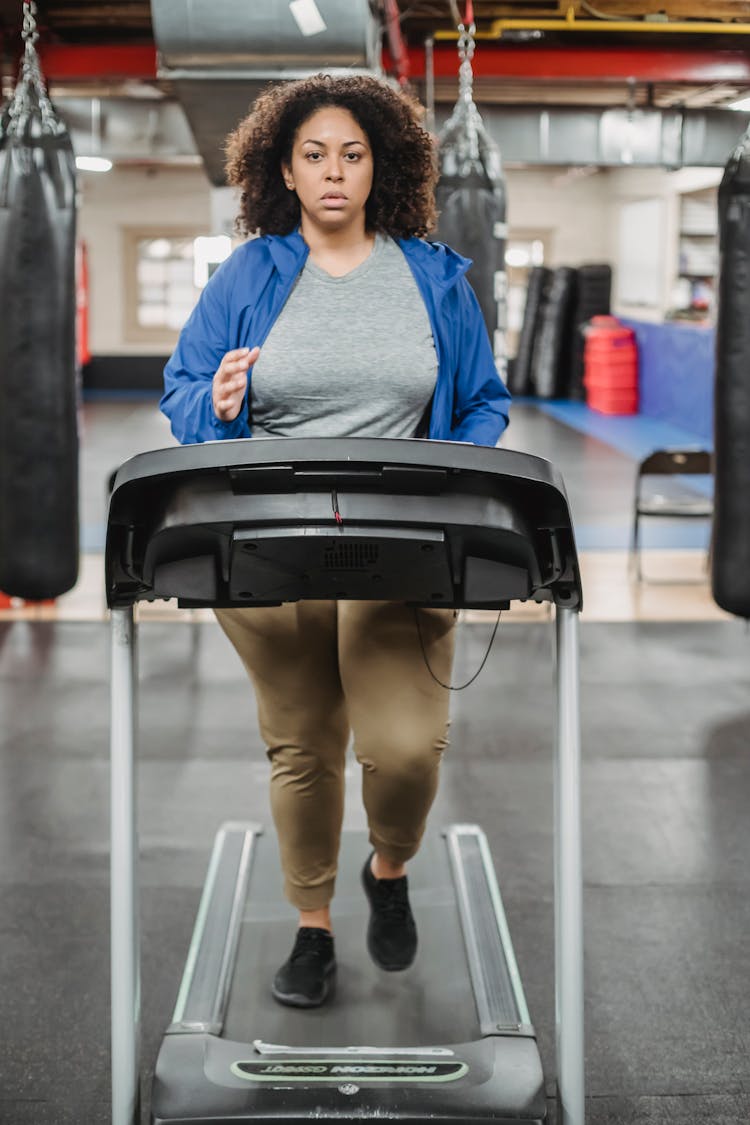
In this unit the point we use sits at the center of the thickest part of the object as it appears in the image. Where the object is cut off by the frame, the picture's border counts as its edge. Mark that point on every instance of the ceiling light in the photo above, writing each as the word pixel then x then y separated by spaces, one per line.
pixel 93 164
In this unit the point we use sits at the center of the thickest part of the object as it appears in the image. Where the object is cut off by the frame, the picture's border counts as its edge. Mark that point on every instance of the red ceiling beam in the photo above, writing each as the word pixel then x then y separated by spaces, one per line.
pixel 597 64
pixel 102 63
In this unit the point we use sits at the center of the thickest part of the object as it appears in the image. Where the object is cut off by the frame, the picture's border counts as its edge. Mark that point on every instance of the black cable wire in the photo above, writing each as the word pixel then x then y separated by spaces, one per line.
pixel 455 687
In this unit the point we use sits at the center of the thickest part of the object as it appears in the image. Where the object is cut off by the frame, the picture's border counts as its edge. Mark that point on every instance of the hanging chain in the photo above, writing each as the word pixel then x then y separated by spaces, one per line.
pixel 30 35
pixel 466 46
pixel 29 32
pixel 31 87
pixel 467 110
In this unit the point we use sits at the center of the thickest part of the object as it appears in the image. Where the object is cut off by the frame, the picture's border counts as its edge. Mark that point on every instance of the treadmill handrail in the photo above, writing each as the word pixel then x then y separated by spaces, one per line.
pixel 409 451
pixel 495 507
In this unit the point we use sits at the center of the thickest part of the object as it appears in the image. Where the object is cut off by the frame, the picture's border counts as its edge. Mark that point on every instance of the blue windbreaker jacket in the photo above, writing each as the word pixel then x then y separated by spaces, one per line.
pixel 245 295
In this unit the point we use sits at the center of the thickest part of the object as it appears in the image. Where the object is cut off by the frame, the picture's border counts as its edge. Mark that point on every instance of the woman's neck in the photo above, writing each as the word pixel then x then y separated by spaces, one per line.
pixel 338 252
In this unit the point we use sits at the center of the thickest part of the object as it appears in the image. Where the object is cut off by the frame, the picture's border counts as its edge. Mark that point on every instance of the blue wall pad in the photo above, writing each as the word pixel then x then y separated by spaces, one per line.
pixel 676 375
pixel 92 538
pixel 632 434
pixel 662 535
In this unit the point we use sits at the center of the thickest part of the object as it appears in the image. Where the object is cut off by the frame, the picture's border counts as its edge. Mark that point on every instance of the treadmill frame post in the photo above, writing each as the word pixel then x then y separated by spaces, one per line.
pixel 125 913
pixel 569 1033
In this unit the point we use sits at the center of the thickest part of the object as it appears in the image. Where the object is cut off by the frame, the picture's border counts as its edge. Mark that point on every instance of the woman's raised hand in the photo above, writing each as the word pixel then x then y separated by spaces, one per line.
pixel 230 382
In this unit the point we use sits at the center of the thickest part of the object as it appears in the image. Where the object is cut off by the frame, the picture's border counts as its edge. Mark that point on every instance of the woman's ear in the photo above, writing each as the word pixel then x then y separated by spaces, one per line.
pixel 286 173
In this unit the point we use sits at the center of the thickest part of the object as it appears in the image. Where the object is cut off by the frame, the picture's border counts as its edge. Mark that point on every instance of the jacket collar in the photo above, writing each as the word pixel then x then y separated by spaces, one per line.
pixel 441 264
pixel 288 252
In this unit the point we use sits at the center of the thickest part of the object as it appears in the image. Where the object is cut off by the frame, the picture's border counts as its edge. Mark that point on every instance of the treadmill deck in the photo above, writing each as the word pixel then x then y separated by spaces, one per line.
pixel 404 1046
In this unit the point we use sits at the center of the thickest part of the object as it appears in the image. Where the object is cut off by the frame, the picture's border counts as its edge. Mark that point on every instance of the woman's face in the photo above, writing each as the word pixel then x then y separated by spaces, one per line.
pixel 331 170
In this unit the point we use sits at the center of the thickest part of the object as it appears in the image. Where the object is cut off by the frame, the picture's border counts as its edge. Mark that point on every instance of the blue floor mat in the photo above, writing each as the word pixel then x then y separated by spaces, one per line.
pixel 635 435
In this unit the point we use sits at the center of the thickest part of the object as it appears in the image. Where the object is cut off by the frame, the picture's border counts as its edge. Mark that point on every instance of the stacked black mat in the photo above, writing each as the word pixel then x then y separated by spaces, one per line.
pixel 549 358
pixel 520 382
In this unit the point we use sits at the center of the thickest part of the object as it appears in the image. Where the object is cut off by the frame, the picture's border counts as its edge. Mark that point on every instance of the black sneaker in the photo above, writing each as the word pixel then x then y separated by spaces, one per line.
pixel 306 980
pixel 391 934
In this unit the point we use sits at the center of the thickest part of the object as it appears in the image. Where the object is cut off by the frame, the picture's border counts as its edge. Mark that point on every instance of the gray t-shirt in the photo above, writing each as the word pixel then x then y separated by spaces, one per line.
pixel 349 356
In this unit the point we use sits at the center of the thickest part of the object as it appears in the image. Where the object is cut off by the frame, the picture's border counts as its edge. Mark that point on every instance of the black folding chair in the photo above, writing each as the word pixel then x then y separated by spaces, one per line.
pixel 665 499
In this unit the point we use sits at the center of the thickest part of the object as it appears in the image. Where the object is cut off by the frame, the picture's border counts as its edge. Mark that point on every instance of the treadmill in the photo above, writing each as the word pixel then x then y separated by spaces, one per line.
pixel 265 521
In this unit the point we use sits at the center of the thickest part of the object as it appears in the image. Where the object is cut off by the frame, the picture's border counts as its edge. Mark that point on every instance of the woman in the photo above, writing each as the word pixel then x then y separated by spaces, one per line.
pixel 339 320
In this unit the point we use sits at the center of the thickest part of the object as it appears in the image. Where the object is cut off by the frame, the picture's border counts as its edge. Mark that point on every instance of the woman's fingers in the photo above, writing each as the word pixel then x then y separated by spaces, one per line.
pixel 236 362
pixel 230 381
pixel 244 356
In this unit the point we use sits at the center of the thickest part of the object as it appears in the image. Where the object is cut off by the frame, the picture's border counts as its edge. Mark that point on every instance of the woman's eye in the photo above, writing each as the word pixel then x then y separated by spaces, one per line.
pixel 313 156
pixel 354 156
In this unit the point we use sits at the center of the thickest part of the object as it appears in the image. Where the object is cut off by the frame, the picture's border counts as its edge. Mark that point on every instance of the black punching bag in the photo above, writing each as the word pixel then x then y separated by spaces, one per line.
pixel 730 556
pixel 38 394
pixel 471 199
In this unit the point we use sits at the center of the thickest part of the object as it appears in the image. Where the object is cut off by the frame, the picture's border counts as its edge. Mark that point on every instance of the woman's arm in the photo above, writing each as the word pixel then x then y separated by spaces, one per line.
pixel 481 399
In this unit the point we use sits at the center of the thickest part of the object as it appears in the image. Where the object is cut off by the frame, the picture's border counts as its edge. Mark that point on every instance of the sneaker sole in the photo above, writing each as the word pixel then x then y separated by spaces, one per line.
pixel 399 968
pixel 298 1000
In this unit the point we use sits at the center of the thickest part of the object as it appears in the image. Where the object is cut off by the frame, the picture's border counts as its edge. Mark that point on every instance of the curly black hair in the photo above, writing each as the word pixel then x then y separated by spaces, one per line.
pixel 401 201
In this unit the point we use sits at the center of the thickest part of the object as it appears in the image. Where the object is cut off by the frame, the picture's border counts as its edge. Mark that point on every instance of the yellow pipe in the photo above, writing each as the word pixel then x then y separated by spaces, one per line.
pixel 570 23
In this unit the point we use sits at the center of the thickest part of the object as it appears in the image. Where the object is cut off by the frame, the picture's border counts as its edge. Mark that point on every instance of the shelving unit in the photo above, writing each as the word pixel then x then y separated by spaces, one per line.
pixel 698 250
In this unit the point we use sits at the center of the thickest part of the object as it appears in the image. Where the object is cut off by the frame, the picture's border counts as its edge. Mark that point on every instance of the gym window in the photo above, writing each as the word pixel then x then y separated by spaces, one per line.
pixel 160 289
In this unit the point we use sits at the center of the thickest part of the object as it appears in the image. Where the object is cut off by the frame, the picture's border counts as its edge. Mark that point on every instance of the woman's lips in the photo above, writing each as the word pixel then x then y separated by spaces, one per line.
pixel 334 200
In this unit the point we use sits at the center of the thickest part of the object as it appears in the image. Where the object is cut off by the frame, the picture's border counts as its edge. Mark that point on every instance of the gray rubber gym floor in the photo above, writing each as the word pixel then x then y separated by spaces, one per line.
pixel 666 731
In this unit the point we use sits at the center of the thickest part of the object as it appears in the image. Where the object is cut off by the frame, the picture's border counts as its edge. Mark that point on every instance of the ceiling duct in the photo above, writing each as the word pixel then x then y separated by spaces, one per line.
pixel 156 132
pixel 219 54
pixel 613 138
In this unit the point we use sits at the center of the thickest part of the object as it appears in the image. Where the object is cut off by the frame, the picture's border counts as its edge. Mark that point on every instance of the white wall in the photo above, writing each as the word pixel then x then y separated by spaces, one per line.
pixel 580 215
pixel 570 211
pixel 568 206
pixel 628 185
pixel 131 197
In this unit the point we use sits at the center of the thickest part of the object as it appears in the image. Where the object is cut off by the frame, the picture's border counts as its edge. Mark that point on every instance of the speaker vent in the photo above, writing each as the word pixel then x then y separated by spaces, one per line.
pixel 351 556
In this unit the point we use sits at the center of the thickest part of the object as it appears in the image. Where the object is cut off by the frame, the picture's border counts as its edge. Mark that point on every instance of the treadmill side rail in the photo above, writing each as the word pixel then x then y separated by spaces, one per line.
pixel 498 992
pixel 204 991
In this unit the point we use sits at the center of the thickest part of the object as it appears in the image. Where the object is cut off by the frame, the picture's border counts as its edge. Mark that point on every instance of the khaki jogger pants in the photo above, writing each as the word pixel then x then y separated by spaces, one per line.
pixel 322 671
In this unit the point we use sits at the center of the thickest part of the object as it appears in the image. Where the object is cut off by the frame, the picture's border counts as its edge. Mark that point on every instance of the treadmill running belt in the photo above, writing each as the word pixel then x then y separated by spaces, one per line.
pixel 429 1003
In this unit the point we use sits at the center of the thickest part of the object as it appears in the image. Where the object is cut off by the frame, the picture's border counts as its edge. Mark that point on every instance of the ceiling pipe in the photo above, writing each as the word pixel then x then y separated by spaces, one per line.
pixel 429 98
pixel 396 42
pixel 598 64
pixel 571 23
